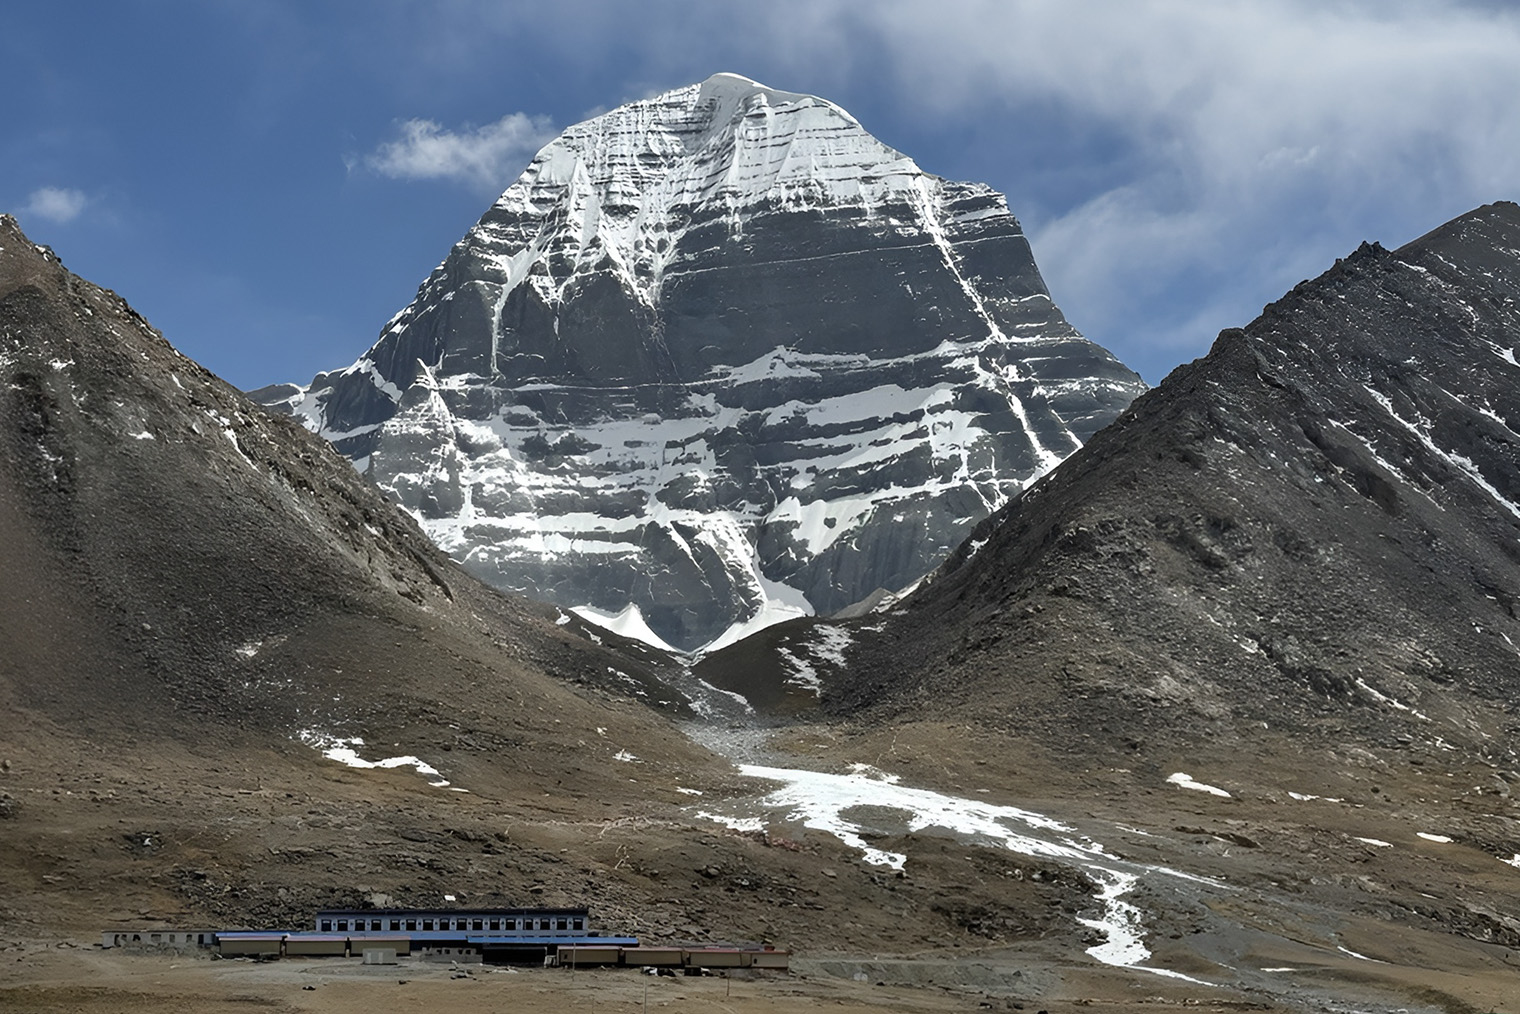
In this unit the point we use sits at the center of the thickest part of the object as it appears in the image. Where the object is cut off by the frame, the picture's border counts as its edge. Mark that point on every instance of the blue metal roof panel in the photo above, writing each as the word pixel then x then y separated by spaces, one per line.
pixel 489 940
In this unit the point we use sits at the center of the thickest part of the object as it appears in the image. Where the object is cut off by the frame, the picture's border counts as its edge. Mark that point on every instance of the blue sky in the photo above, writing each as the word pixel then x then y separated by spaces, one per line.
pixel 268 182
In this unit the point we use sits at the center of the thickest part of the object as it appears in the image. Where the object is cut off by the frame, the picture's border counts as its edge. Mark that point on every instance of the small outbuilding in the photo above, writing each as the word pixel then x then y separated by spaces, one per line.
pixel 238 944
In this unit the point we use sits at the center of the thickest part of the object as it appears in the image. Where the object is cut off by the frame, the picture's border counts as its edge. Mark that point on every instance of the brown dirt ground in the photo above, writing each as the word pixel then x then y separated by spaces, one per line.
pixel 274 834
pixel 85 982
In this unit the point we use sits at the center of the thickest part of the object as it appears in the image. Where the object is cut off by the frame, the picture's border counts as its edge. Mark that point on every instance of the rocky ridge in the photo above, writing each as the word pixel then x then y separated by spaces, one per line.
pixel 193 585
pixel 717 358
pixel 187 549
pixel 1313 526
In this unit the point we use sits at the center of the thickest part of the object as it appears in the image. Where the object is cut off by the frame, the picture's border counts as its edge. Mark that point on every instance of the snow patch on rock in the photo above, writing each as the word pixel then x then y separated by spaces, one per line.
pixel 1183 780
pixel 629 622
pixel 342 750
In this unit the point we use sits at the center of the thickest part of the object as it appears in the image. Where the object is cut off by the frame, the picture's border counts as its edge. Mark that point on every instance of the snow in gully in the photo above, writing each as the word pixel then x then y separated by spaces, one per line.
pixel 824 802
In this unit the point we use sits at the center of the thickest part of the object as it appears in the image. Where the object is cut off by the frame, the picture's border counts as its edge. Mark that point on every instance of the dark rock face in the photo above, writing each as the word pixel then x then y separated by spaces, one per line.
pixel 721 357
pixel 1316 527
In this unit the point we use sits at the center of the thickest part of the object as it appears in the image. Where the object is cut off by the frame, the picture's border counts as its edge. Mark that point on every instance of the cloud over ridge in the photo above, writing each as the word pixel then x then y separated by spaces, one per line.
pixel 55 204
pixel 487 157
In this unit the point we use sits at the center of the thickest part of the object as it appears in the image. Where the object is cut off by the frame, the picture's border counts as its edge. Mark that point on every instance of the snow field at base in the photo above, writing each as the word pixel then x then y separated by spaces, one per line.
pixel 782 602
pixel 629 622
pixel 819 801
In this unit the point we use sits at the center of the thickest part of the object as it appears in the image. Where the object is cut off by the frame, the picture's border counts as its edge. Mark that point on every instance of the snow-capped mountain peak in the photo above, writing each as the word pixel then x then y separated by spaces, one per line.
pixel 722 356
pixel 624 186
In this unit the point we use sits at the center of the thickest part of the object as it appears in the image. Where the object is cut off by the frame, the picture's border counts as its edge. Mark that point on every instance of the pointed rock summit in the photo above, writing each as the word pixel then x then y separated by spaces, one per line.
pixel 717 358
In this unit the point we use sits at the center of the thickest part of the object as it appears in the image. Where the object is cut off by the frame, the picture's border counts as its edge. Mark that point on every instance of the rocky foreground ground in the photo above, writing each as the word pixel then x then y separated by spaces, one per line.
pixel 1300 909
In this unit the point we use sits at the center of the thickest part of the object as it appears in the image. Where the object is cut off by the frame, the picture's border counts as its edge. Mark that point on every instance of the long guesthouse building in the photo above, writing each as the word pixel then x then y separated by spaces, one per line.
pixel 560 936
pixel 497 934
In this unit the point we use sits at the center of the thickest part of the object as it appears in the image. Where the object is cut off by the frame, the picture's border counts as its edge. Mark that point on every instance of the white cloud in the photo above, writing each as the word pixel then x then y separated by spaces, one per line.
pixel 488 157
pixel 1257 140
pixel 56 204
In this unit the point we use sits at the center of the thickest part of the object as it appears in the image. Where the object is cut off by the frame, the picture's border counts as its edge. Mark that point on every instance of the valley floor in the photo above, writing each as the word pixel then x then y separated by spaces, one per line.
pixel 43 978
pixel 51 980
pixel 1322 890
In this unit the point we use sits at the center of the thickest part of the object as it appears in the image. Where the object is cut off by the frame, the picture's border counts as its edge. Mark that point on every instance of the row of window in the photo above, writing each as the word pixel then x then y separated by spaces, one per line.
pixel 158 938
pixel 462 925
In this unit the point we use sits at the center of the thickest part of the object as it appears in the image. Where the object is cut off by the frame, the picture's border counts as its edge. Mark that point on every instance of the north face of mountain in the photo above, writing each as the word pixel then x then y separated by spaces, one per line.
pixel 1313 529
pixel 717 358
